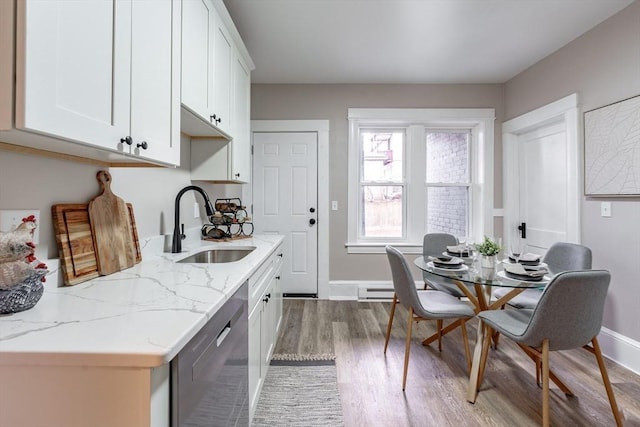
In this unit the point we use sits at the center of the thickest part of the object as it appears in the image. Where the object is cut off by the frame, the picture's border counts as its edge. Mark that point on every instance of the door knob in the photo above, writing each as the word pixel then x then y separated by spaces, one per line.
pixel 312 221
pixel 312 210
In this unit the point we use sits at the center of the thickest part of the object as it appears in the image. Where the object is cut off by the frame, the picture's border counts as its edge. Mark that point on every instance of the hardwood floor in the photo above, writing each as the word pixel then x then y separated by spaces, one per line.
pixel 371 384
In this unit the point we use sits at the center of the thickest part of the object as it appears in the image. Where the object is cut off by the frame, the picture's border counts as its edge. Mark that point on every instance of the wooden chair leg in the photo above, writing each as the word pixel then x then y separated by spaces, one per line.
pixel 393 311
pixel 486 345
pixel 467 351
pixel 407 348
pixel 545 383
pixel 606 381
pixel 439 326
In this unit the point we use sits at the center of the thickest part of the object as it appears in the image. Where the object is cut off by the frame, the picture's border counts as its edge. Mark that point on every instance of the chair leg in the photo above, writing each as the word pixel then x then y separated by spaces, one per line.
pixel 467 351
pixel 486 345
pixel 407 348
pixel 545 383
pixel 439 326
pixel 606 381
pixel 393 311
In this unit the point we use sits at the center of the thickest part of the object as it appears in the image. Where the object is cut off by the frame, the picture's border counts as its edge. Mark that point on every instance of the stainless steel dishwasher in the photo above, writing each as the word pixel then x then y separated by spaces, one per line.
pixel 209 377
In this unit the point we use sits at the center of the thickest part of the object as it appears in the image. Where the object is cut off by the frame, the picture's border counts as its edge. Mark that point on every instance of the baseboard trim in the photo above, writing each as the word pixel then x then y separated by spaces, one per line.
pixel 620 349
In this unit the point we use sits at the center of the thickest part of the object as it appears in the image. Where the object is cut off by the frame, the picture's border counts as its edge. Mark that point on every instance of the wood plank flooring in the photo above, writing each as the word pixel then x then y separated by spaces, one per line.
pixel 371 384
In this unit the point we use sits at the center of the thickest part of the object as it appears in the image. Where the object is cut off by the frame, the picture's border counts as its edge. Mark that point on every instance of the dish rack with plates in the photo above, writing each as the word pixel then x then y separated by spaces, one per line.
pixel 230 220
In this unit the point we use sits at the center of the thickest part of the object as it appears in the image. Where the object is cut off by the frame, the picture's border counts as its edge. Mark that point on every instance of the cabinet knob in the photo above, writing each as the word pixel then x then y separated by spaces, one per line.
pixel 280 255
pixel 312 221
pixel 126 140
pixel 214 119
pixel 143 145
pixel 277 277
pixel 237 175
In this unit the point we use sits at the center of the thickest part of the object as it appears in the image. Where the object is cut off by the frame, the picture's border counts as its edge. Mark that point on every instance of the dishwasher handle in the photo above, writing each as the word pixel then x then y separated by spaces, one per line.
pixel 223 334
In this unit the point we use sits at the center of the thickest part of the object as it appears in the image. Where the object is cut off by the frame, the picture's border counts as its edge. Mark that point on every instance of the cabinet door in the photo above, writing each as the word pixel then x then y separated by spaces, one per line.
pixel 241 109
pixel 256 373
pixel 198 17
pixel 268 338
pixel 72 69
pixel 222 76
pixel 155 80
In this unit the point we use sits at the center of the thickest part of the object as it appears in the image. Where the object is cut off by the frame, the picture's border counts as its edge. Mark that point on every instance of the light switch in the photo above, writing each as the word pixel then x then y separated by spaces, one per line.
pixel 334 205
pixel 605 209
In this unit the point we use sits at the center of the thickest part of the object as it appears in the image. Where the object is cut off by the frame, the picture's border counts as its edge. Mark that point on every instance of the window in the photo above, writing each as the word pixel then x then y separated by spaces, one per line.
pixel 448 181
pixel 382 185
pixel 413 171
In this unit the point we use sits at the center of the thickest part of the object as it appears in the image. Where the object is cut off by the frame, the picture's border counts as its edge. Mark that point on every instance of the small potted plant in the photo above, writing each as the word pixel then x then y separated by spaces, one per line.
pixel 488 249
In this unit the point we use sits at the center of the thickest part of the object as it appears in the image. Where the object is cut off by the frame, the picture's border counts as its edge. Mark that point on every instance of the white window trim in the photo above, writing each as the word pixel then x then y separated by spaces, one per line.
pixel 480 120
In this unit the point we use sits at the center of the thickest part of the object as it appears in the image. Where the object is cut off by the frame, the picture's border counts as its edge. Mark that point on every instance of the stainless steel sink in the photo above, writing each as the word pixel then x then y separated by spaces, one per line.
pixel 219 255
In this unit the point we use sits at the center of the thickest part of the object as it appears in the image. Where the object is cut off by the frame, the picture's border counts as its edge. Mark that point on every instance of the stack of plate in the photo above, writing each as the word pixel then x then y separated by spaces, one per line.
pixel 447 263
pixel 527 259
pixel 520 272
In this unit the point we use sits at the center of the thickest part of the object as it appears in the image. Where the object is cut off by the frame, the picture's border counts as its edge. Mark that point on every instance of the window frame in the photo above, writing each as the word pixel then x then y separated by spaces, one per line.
pixel 416 122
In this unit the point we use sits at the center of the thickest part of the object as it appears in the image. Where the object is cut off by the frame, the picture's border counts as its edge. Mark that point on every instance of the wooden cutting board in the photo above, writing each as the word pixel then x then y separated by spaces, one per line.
pixel 75 242
pixel 111 228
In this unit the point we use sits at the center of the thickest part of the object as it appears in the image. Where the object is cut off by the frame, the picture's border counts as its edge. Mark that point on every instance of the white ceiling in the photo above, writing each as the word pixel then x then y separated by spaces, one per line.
pixel 408 41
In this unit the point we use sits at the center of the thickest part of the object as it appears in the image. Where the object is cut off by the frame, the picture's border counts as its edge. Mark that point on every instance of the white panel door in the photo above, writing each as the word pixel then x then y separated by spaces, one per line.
pixel 541 176
pixel 543 187
pixel 73 79
pixel 285 201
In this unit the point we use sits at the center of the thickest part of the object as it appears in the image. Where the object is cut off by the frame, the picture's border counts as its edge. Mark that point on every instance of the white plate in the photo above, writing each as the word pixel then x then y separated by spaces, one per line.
pixel 546 279
pixel 540 265
pixel 452 270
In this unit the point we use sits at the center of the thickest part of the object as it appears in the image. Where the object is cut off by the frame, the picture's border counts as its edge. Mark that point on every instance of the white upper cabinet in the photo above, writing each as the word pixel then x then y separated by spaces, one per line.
pixel 209 44
pixel 216 92
pixel 241 121
pixel 222 76
pixel 73 63
pixel 155 80
pixel 197 56
pixel 98 79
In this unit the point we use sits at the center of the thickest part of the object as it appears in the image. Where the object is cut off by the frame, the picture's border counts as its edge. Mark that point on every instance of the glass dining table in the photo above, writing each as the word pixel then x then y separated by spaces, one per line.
pixel 478 287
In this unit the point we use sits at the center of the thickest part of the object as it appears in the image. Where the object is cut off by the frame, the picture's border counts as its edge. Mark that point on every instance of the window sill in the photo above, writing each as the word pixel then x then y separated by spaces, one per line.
pixel 378 248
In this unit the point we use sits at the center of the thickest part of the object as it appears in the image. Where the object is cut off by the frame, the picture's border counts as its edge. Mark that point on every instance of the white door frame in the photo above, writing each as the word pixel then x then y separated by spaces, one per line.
pixel 321 127
pixel 564 111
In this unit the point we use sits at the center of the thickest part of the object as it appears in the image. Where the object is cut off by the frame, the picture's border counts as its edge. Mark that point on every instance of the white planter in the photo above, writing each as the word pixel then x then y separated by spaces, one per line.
pixel 488 264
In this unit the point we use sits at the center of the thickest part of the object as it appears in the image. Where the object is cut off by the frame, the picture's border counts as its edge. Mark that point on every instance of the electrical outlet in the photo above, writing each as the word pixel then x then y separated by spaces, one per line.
pixel 334 205
pixel 196 210
pixel 10 219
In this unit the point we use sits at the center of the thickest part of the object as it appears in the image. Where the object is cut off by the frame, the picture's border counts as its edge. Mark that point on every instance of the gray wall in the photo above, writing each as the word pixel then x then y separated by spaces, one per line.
pixel 34 182
pixel 296 102
pixel 602 66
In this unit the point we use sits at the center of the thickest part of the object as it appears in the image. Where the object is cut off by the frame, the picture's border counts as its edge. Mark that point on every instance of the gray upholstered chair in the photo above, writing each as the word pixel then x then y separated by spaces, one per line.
pixel 434 244
pixel 568 315
pixel 560 257
pixel 422 305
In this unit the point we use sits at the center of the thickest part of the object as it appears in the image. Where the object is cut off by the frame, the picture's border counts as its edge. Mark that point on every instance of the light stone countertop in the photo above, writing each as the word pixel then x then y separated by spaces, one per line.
pixel 140 317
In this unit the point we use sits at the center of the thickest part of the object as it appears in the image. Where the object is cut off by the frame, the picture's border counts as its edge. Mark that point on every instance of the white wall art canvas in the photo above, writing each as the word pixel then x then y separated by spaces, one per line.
pixel 612 149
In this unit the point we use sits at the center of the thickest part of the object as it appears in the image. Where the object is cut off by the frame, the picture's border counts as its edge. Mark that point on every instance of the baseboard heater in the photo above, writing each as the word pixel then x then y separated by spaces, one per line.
pixel 377 293
pixel 294 295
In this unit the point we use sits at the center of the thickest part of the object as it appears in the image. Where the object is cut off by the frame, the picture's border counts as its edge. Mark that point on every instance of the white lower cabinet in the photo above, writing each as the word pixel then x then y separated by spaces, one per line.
pixel 265 313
